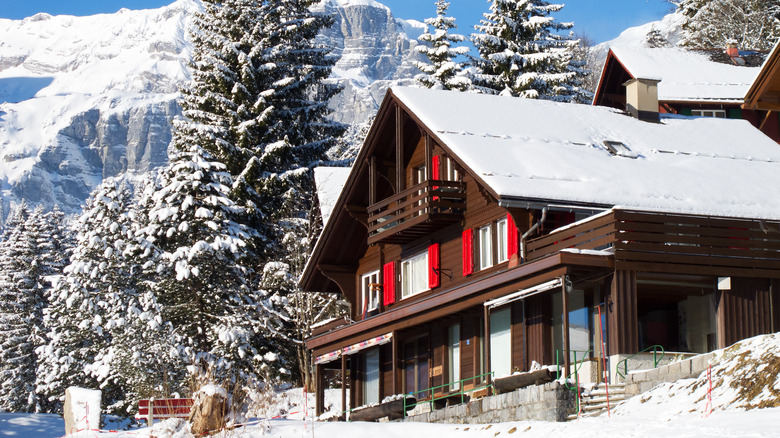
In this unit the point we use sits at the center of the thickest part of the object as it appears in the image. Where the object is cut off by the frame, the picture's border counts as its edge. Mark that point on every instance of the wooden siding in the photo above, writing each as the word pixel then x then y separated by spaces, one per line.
pixel 518 337
pixel 747 310
pixel 539 329
pixel 674 243
pixel 622 327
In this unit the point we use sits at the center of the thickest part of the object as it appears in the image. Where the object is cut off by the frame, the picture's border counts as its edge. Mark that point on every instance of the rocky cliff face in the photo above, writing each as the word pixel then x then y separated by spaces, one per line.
pixel 84 98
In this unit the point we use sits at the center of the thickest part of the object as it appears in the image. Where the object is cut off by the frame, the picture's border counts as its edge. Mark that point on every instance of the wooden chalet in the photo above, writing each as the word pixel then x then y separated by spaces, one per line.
pixel 764 93
pixel 481 234
pixel 691 83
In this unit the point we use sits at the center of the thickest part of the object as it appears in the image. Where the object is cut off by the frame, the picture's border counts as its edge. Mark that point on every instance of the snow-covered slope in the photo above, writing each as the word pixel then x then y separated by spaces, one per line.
pixel 83 98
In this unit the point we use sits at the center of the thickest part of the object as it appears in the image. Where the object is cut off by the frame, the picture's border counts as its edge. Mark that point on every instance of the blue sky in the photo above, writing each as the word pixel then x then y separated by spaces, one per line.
pixel 600 19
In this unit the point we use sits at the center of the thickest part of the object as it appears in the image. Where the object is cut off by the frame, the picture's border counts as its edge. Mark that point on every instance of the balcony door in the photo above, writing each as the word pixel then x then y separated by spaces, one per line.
pixel 415 367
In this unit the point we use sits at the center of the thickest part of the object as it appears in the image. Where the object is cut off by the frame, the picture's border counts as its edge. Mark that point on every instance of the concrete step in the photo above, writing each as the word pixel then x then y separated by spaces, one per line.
pixel 600 392
pixel 602 400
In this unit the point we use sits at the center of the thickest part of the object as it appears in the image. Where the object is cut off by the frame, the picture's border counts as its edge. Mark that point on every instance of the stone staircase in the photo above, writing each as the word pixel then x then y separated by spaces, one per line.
pixel 593 400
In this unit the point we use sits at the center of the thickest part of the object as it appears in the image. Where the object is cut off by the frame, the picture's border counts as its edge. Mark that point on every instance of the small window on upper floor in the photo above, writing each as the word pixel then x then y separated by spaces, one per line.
pixel 414 275
pixel 371 290
pixel 721 114
pixel 485 237
pixel 502 239
pixel 448 172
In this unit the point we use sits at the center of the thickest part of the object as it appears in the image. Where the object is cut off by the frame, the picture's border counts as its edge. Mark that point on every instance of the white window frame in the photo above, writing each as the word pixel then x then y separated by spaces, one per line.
pixel 447 170
pixel 373 296
pixel 453 356
pixel 485 241
pixel 502 232
pixel 410 269
pixel 717 113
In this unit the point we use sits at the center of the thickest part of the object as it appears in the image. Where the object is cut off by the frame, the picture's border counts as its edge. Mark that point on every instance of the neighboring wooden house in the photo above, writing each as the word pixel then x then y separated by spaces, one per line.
pixel 481 234
pixel 764 94
pixel 689 83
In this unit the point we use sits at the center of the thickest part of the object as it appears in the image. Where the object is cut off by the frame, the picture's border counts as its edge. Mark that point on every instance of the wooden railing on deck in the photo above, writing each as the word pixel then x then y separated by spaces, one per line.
pixel 675 243
pixel 415 205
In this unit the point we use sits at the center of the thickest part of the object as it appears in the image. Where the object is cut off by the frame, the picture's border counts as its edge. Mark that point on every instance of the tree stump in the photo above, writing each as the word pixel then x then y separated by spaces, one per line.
pixel 208 413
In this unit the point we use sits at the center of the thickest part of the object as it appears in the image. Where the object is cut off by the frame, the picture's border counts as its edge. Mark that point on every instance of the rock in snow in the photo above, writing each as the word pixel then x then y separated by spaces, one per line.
pixel 85 98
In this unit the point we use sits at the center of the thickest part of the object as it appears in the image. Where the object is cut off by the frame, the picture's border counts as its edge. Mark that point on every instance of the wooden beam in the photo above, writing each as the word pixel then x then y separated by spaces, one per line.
pixel 372 180
pixel 763 122
pixel 428 157
pixel 319 390
pixel 358 213
pixel 486 345
pixel 399 150
pixel 566 342
pixel 344 385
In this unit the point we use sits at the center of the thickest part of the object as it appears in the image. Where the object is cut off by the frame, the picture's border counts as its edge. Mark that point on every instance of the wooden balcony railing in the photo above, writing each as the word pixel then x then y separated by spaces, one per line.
pixel 416 211
pixel 674 243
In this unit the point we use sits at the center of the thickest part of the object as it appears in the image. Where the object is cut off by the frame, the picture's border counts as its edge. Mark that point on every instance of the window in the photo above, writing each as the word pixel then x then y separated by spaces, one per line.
pixel 485 247
pixel 415 370
pixel 501 342
pixel 370 289
pixel 448 172
pixel 453 356
pixel 371 384
pixel 414 275
pixel 709 113
pixel 503 240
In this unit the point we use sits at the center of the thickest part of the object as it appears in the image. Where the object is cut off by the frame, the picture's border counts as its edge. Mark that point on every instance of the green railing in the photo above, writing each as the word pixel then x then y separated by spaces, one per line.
pixel 577 366
pixel 656 359
pixel 461 392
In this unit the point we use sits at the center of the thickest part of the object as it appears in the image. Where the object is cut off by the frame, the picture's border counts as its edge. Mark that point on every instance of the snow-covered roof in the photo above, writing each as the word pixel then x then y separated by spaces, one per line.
pixel 538 150
pixel 329 182
pixel 687 75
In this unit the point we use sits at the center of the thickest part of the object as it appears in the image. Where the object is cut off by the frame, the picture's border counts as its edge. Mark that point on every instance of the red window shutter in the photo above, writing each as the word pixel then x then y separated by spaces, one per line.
pixel 434 266
pixel 511 238
pixel 435 171
pixel 468 252
pixel 388 283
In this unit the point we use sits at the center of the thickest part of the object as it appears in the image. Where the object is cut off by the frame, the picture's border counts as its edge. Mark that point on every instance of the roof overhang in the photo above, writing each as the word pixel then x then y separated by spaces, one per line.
pixel 764 93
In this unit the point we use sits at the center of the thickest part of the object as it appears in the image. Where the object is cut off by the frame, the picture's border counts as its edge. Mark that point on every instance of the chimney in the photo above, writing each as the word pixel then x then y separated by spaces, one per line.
pixel 733 51
pixel 642 99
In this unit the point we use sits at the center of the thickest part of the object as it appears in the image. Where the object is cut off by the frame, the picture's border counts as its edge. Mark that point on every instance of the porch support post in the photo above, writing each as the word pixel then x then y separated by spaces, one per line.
pixel 565 295
pixel 486 346
pixel 319 389
pixel 344 386
pixel 428 157
pixel 394 346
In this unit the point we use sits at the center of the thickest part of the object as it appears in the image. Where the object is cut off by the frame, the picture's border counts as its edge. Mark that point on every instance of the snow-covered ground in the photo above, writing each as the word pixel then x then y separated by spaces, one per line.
pixel 744 402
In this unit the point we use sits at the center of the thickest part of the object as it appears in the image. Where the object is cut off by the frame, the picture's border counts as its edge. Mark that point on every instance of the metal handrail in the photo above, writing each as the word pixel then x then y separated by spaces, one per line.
pixel 576 375
pixel 462 392
pixel 656 359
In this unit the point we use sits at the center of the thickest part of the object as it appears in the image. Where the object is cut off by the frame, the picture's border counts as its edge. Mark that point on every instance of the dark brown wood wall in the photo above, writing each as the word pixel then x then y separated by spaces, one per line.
pixel 747 310
pixel 437 369
pixel 468 342
pixel 622 314
pixel 539 329
pixel 518 338
pixel 386 371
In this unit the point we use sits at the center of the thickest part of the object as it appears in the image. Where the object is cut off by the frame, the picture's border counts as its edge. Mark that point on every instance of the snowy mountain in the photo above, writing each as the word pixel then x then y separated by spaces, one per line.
pixel 85 98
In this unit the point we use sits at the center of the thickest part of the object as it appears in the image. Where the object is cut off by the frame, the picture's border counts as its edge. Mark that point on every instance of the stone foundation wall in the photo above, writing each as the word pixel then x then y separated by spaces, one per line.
pixel 548 402
pixel 639 382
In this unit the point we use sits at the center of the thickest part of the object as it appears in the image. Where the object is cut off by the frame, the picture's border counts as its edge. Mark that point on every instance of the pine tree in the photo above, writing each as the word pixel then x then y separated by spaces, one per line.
pixel 712 24
pixel 258 104
pixel 201 278
pixel 79 309
pixel 21 306
pixel 520 55
pixel 656 39
pixel 442 71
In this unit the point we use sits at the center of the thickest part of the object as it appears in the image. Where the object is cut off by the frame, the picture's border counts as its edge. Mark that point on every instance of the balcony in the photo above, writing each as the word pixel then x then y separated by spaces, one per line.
pixel 673 243
pixel 416 212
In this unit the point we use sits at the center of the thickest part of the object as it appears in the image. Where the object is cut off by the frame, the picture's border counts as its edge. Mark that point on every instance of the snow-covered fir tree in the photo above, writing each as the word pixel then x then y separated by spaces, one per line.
pixel 201 279
pixel 80 312
pixel 655 39
pixel 712 24
pixel 21 307
pixel 442 70
pixel 520 53
pixel 258 104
